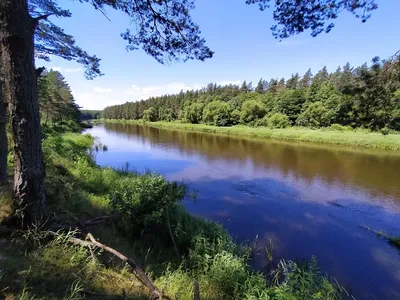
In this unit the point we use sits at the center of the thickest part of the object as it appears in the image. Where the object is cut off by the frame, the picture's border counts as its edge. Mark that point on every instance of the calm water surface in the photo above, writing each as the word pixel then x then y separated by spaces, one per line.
pixel 310 200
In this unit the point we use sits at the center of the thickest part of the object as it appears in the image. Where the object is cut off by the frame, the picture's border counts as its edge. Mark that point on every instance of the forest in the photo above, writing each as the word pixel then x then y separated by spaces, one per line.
pixel 367 96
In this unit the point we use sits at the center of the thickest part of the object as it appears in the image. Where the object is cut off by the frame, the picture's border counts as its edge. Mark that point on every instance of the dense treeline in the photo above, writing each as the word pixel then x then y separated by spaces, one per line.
pixel 365 96
pixel 90 114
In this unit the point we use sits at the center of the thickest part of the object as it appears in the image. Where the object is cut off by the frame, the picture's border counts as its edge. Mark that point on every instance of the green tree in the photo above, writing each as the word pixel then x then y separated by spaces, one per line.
pixel 281 84
pixel 251 111
pixel 293 82
pixel 165 114
pixel 193 113
pixel 150 114
pixel 217 113
pixel 260 87
pixel 315 116
pixel 235 117
pixel 55 98
pixel 306 80
pixel 290 103
pixel 245 87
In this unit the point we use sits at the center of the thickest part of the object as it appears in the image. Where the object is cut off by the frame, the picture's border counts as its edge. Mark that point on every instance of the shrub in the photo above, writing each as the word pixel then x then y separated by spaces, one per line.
pixel 252 110
pixel 315 116
pixel 337 127
pixel 235 117
pixel 263 122
pixel 150 115
pixel 217 113
pixel 193 113
pixel 145 198
pixel 278 120
pixel 385 131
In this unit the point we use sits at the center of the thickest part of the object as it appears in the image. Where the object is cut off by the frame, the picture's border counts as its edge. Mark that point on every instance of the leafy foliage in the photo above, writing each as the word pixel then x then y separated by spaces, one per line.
pixel 150 114
pixel 315 116
pixel 146 198
pixel 252 110
pixel 278 120
pixel 217 113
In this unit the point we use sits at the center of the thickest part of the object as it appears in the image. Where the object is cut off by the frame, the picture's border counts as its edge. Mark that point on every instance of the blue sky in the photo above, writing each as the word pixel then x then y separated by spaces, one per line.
pixel 240 36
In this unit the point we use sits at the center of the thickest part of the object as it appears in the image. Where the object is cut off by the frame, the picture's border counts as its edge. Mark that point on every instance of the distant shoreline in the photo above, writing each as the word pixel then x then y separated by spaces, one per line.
pixel 357 138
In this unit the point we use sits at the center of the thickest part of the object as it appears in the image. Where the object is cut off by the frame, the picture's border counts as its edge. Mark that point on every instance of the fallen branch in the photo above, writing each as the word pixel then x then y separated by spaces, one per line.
pixel 82 225
pixel 155 293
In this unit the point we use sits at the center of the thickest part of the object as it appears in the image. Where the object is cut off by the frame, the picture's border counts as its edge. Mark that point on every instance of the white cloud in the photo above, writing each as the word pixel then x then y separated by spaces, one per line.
pixel 66 70
pixel 101 90
pixel 145 92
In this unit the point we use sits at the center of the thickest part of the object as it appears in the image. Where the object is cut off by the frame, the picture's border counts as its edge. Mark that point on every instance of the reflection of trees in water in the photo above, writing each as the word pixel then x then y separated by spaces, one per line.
pixel 374 171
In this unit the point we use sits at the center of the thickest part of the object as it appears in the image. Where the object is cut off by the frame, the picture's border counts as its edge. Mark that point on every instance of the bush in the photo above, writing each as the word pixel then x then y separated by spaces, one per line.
pixel 278 120
pixel 315 116
pixel 338 127
pixel 217 113
pixel 235 117
pixel 150 115
pixel 252 110
pixel 145 198
pixel 385 131
pixel 193 113
pixel 262 122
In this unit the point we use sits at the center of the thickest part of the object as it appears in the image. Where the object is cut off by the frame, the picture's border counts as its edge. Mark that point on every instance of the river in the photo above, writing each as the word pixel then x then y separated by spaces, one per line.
pixel 308 199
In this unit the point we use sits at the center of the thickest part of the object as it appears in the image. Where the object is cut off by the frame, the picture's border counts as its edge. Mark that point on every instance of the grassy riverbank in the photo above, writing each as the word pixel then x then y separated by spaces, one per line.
pixel 32 266
pixel 344 136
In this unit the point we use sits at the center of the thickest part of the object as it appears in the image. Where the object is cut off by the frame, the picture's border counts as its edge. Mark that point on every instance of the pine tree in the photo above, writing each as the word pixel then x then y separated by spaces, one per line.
pixel 260 87
pixel 305 82
pixel 293 82
pixel 281 84
pixel 244 88
pixel 273 85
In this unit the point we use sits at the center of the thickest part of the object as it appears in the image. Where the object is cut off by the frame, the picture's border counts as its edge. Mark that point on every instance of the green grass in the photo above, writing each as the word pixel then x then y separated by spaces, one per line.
pixel 358 137
pixel 37 267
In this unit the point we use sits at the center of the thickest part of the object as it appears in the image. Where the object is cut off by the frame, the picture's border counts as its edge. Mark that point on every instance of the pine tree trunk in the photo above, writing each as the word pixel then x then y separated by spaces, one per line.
pixel 3 138
pixel 20 92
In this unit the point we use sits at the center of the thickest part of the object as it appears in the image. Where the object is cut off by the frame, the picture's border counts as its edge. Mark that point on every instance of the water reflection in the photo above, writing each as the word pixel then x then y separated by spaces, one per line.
pixel 309 200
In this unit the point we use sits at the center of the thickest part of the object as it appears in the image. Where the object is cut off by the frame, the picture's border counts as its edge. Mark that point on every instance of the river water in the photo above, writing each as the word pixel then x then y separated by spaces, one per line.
pixel 308 199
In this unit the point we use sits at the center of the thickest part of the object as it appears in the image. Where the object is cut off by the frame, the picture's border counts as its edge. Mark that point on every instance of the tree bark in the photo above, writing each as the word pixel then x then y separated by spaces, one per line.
pixel 3 137
pixel 20 92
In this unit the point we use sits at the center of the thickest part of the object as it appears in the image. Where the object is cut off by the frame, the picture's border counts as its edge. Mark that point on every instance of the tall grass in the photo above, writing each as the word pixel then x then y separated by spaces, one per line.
pixel 339 136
